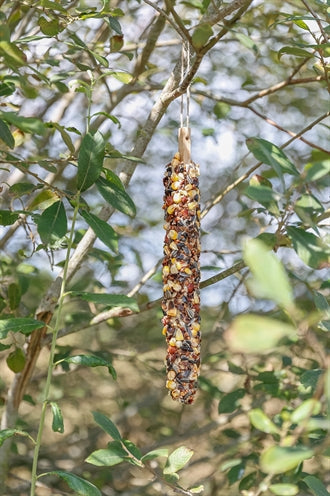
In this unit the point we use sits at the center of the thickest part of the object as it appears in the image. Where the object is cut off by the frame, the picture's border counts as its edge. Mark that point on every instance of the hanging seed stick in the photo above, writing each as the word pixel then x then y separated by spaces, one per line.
pixel 181 273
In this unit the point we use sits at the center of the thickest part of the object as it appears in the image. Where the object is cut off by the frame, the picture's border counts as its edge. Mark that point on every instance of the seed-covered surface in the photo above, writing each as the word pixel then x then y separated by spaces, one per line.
pixel 181 275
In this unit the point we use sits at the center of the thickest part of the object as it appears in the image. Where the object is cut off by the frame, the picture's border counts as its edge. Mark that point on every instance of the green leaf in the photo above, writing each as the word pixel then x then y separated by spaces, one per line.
pixel 80 486
pixel 90 160
pixel 309 248
pixel 305 410
pixel 25 326
pixel 221 110
pixel 255 334
pixel 230 401
pixel 7 433
pixel 57 423
pixel 14 295
pixel 65 136
pixel 134 451
pixel 19 189
pixel 247 42
pixel 105 458
pixel 114 193
pixel 177 460
pixel 44 200
pixel 280 459
pixel 89 361
pixel 310 378
pixel 107 425
pixel 7 218
pixel 49 4
pixel 317 170
pixel 5 135
pixel 284 489
pixel 111 300
pixel 272 155
pixel 201 35
pixel 7 88
pixel 115 25
pixel 52 223
pixel 316 486
pixel 16 360
pixel 291 50
pixel 270 277
pixel 102 230
pixel 123 77
pixel 151 455
pixel 265 196
pixel 13 56
pixel 30 125
pixel 49 28
pixel 260 421
pixel 307 207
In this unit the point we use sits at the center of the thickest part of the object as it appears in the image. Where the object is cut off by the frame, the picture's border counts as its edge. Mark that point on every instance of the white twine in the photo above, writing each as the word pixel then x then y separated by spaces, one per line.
pixel 185 67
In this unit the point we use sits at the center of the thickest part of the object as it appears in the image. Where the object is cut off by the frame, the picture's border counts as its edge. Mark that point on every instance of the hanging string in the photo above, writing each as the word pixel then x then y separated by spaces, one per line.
pixel 185 98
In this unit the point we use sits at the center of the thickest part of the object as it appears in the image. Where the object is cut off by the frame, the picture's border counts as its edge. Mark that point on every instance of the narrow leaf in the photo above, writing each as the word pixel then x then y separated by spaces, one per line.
pixel 177 460
pixel 102 230
pixel 260 421
pixel 114 193
pixel 111 300
pixel 105 458
pixel 229 402
pixel 80 486
pixel 25 326
pixel 123 77
pixel 30 125
pixel 44 200
pixel 255 334
pixel 272 155
pixel 7 433
pixel 90 160
pixel 7 218
pixel 107 425
pixel 279 459
pixel 284 489
pixel 305 410
pixel 151 455
pixel 291 50
pixel 13 56
pixel 269 274
pixel 52 223
pixel 309 248
pixel 5 135
pixel 57 423
pixel 316 486
pixel 89 361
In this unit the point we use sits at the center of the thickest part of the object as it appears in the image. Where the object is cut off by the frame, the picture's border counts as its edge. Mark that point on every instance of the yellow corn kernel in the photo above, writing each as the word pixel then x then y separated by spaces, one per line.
pixel 193 192
pixel 166 287
pixel 173 246
pixel 174 177
pixel 195 343
pixel 178 335
pixel 172 342
pixel 196 299
pixel 188 271
pixel 179 265
pixel 170 385
pixel 171 208
pixel 175 185
pixel 188 187
pixel 177 197
pixel 166 270
pixel 171 375
pixel 171 312
pixel 173 234
pixel 166 226
pixel 192 205
pixel 195 328
pixel 164 331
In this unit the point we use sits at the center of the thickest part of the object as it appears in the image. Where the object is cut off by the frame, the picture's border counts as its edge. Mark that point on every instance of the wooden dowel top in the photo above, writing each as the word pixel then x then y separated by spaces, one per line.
pixel 185 144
